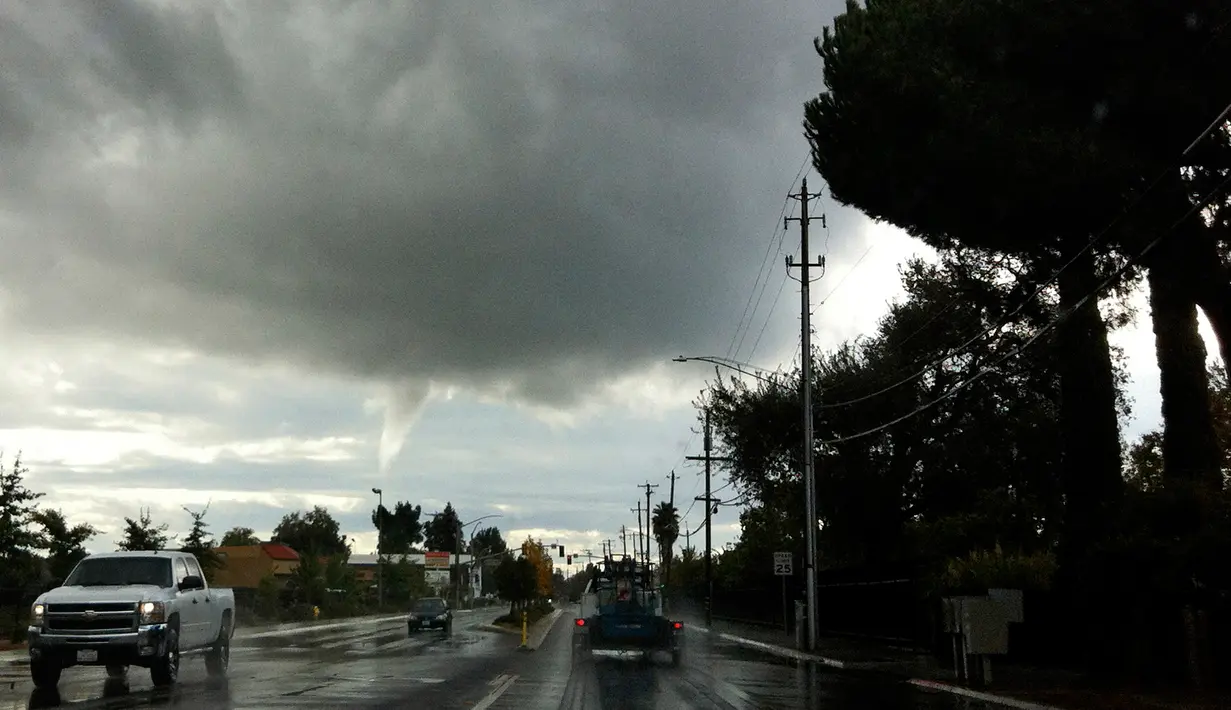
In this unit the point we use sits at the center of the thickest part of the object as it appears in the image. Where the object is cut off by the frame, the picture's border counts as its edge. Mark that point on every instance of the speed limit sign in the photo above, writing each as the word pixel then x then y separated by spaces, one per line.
pixel 784 564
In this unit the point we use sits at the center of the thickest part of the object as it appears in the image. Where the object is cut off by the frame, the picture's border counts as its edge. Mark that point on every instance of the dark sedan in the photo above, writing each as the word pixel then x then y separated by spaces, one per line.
pixel 430 613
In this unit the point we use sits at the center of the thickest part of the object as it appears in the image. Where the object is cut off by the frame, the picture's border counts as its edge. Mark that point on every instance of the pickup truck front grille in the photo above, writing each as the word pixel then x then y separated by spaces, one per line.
pixel 100 618
pixel 78 608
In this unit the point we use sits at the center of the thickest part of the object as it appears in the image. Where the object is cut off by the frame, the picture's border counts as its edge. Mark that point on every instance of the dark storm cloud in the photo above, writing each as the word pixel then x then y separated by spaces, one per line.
pixel 534 197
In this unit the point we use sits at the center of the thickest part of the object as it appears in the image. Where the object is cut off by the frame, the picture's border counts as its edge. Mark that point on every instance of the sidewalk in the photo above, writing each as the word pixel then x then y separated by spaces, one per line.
pixel 1013 686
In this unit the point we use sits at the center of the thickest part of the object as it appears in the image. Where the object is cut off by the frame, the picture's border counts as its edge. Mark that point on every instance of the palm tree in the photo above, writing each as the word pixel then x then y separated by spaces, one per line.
pixel 665 526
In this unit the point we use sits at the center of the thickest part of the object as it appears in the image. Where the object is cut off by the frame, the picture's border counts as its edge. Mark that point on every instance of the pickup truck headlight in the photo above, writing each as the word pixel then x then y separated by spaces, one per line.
pixel 153 612
pixel 36 614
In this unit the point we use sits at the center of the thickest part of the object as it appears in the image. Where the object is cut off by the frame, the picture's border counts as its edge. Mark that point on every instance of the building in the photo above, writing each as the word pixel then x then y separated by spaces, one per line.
pixel 365 567
pixel 244 566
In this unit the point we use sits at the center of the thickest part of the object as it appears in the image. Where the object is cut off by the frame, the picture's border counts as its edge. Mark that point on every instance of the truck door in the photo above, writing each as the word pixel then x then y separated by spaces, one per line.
pixel 190 612
pixel 205 607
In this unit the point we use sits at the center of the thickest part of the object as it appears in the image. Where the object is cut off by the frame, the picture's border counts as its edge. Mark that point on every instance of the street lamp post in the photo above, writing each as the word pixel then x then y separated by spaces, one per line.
pixel 380 532
pixel 461 528
pixel 809 478
pixel 457 588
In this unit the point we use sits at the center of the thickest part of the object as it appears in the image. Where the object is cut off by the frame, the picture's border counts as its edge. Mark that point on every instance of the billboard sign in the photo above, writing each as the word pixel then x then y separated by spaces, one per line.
pixel 436 560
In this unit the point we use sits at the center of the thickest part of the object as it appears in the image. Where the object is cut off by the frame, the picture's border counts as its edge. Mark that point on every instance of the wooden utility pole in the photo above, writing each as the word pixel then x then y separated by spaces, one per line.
pixel 668 555
pixel 806 386
pixel 636 553
pixel 624 538
pixel 710 506
pixel 648 526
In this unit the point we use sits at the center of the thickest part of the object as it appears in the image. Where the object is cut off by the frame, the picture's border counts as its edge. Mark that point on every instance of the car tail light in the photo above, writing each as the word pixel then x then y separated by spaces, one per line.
pixel 677 625
pixel 581 622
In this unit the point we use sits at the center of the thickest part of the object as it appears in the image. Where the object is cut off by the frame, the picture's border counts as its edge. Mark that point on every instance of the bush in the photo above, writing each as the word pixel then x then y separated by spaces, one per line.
pixel 982 570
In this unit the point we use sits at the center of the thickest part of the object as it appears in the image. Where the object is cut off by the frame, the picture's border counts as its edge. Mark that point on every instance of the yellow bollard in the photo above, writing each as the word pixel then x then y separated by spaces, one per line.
pixel 316 612
pixel 523 628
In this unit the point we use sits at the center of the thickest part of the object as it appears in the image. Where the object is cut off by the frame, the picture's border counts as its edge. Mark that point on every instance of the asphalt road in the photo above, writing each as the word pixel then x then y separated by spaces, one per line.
pixel 377 665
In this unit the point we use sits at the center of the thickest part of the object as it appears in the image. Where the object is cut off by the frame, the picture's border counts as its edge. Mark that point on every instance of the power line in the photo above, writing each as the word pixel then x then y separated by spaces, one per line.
pixel 733 349
pixel 765 261
pixel 1197 207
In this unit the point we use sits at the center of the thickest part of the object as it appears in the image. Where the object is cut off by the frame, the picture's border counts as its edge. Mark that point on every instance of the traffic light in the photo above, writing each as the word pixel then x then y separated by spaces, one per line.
pixel 568 559
pixel 562 550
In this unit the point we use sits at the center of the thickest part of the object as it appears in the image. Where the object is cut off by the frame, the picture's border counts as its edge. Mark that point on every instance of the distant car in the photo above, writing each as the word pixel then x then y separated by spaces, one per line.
pixel 430 613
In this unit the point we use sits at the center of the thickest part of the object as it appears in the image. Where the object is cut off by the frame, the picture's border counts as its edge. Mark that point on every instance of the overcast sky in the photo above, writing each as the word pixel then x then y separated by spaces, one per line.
pixel 265 255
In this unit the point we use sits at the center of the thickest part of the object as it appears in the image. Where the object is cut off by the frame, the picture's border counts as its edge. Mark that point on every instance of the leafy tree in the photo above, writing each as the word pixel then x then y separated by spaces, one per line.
pixel 540 560
pixel 443 531
pixel 516 581
pixel 400 530
pixel 901 79
pixel 200 543
pixel 17 540
pixel 315 533
pixel 239 536
pixel 141 534
pixel 665 526
pixel 307 581
pixel 488 541
pixel 65 545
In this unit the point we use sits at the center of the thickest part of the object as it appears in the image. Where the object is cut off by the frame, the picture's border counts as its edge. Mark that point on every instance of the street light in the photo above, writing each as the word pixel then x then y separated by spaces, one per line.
pixel 809 476
pixel 462 528
pixel 732 364
pixel 380 520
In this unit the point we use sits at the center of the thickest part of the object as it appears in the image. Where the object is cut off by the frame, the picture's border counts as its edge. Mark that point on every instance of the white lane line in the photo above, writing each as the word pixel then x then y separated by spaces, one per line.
pixel 976 695
pixel 317 627
pixel 502 682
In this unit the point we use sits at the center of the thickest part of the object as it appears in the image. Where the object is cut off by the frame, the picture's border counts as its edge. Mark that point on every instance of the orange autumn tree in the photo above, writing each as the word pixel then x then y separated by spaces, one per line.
pixel 534 552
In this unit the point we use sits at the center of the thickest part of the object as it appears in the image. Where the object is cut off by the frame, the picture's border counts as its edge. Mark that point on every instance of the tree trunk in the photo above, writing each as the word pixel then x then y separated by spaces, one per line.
pixel 1211 281
pixel 1191 451
pixel 1091 475
pixel 1090 472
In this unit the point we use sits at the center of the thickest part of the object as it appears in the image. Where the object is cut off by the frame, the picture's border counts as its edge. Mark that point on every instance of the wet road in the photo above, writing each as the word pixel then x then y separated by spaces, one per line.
pixel 376 665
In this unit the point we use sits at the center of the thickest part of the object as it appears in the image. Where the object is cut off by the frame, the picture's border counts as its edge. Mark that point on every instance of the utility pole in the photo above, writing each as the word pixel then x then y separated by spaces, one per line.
pixel 710 502
pixel 609 548
pixel 636 551
pixel 380 532
pixel 668 556
pixel 624 538
pixel 648 527
pixel 806 386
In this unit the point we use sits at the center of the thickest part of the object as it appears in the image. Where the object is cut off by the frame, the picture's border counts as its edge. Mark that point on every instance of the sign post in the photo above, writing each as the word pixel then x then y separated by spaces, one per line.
pixel 784 566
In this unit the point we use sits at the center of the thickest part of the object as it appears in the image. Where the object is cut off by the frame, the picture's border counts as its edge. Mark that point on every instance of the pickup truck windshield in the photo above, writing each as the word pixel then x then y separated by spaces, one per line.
pixel 121 571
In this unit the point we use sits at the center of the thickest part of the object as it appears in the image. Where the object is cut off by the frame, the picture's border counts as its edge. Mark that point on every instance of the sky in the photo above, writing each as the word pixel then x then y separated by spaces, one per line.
pixel 262 256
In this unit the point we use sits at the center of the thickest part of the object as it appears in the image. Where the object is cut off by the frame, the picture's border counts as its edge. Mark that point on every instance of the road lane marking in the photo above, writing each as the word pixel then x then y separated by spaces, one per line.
pixel 976 695
pixel 782 651
pixel 310 627
pixel 502 682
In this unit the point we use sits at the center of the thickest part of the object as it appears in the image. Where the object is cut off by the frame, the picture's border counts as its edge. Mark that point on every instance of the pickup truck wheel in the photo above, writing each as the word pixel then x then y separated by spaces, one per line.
pixel 218 657
pixel 118 671
pixel 45 674
pixel 166 670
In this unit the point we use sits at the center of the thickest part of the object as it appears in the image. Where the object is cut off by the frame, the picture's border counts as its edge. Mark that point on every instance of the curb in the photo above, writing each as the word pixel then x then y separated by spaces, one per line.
pixel 534 637
pixel 977 695
pixel 498 629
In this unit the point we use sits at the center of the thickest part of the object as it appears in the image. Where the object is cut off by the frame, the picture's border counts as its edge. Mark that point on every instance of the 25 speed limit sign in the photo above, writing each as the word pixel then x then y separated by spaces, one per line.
pixel 784 564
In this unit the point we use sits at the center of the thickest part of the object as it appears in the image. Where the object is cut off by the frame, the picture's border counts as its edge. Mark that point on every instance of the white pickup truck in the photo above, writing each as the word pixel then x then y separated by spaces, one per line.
pixel 118 609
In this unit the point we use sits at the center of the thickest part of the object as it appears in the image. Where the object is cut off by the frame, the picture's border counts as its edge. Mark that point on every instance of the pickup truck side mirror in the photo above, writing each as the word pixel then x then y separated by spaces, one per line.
pixel 191 582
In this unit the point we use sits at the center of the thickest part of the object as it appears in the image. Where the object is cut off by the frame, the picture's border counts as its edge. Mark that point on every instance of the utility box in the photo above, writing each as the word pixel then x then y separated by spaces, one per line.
pixel 1010 603
pixel 985 627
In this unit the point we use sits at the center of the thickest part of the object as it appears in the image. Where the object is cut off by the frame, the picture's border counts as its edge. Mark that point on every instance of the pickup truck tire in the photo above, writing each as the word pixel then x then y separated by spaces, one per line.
pixel 166 669
pixel 45 674
pixel 218 657
pixel 117 671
